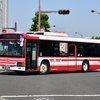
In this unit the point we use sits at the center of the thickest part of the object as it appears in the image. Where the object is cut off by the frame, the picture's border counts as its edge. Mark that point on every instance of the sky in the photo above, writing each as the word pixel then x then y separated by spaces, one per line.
pixel 80 19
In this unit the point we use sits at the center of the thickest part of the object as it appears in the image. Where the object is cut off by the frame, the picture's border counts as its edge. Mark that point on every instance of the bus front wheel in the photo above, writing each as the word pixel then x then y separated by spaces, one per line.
pixel 44 68
pixel 85 66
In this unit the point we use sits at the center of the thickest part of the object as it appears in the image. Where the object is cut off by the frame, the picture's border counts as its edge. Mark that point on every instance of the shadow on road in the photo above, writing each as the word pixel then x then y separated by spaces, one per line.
pixel 12 73
pixel 36 73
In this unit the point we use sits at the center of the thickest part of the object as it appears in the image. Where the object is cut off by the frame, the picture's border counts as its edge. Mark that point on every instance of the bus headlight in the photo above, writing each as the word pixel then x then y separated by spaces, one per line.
pixel 20 64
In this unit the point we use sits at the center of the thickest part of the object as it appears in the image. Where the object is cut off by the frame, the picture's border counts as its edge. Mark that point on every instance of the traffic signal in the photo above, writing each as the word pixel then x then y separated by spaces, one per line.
pixel 63 12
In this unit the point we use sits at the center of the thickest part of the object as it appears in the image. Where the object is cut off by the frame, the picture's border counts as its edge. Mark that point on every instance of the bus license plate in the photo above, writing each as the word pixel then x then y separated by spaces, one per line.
pixel 7 68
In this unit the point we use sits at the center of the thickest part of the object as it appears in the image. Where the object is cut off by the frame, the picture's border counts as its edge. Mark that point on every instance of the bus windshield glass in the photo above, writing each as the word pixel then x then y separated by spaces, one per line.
pixel 11 48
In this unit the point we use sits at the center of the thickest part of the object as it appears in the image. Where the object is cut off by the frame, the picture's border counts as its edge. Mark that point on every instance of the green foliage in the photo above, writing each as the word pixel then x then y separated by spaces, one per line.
pixel 95 37
pixel 44 22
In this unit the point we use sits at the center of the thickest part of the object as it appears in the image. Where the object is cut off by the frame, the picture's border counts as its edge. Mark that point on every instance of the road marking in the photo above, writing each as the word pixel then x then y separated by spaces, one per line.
pixel 57 95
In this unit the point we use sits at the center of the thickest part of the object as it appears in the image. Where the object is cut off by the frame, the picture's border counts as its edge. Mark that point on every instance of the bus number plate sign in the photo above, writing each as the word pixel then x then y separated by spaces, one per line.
pixel 6 67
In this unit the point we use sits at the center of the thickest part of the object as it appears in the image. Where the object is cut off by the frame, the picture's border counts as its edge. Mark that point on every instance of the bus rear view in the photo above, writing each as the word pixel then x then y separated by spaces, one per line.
pixel 12 52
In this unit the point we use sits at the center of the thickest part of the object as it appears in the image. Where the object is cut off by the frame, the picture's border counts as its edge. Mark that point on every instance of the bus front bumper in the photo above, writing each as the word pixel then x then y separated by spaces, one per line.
pixel 12 68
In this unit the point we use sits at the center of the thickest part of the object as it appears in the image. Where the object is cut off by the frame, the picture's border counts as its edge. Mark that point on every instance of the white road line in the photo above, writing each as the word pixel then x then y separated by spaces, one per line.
pixel 57 95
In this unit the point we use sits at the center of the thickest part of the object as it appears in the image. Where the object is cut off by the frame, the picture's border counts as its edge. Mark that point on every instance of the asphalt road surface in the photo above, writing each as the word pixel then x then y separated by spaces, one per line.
pixel 54 86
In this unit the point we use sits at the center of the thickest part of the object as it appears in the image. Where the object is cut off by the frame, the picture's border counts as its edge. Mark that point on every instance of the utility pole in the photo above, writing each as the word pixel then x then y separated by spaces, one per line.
pixel 41 12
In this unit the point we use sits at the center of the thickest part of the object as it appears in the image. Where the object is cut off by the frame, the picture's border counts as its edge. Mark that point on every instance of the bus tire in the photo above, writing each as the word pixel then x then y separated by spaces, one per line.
pixel 44 68
pixel 19 72
pixel 85 66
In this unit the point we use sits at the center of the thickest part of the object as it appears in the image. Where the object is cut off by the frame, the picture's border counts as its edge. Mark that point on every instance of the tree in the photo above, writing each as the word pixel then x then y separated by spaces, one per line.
pixel 44 22
pixel 95 37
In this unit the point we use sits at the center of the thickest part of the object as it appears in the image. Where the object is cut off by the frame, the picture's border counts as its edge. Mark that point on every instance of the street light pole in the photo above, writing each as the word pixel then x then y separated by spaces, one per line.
pixel 79 34
pixel 95 11
pixel 13 28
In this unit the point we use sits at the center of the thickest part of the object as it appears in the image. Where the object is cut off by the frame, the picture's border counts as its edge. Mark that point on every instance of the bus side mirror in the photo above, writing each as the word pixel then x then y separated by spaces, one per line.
pixel 21 40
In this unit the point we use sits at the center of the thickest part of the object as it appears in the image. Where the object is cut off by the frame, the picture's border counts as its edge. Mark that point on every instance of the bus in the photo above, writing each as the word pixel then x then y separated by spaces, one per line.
pixel 47 52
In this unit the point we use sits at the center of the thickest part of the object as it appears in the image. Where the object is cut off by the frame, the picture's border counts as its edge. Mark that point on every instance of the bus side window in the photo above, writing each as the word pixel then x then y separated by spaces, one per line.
pixel 71 50
pixel 44 48
pixel 63 48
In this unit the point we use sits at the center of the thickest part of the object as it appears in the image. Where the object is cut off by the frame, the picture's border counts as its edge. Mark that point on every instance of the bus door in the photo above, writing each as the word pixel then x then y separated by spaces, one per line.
pixel 72 57
pixel 31 55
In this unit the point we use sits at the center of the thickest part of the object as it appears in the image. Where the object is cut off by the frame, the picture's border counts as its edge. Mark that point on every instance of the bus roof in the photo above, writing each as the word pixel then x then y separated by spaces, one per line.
pixel 18 32
pixel 60 37
pixel 54 36
pixel 57 34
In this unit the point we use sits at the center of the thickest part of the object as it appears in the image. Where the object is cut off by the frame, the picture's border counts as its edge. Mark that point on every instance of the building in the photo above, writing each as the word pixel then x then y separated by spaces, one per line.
pixel 3 14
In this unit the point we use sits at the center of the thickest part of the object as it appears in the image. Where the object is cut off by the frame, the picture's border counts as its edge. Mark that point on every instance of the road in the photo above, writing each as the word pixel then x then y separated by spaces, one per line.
pixel 54 86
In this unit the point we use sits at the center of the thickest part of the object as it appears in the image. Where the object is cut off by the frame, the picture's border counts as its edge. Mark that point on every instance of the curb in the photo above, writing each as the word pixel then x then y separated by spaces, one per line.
pixel 3 98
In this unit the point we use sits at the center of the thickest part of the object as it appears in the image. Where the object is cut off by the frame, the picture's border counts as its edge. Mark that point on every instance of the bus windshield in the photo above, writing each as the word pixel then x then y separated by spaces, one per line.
pixel 11 48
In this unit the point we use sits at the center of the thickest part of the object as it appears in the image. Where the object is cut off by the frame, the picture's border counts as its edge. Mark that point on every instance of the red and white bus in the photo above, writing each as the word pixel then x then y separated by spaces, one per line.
pixel 46 52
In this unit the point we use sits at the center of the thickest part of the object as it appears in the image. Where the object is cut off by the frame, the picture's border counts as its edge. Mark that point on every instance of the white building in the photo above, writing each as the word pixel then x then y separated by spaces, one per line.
pixel 3 14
